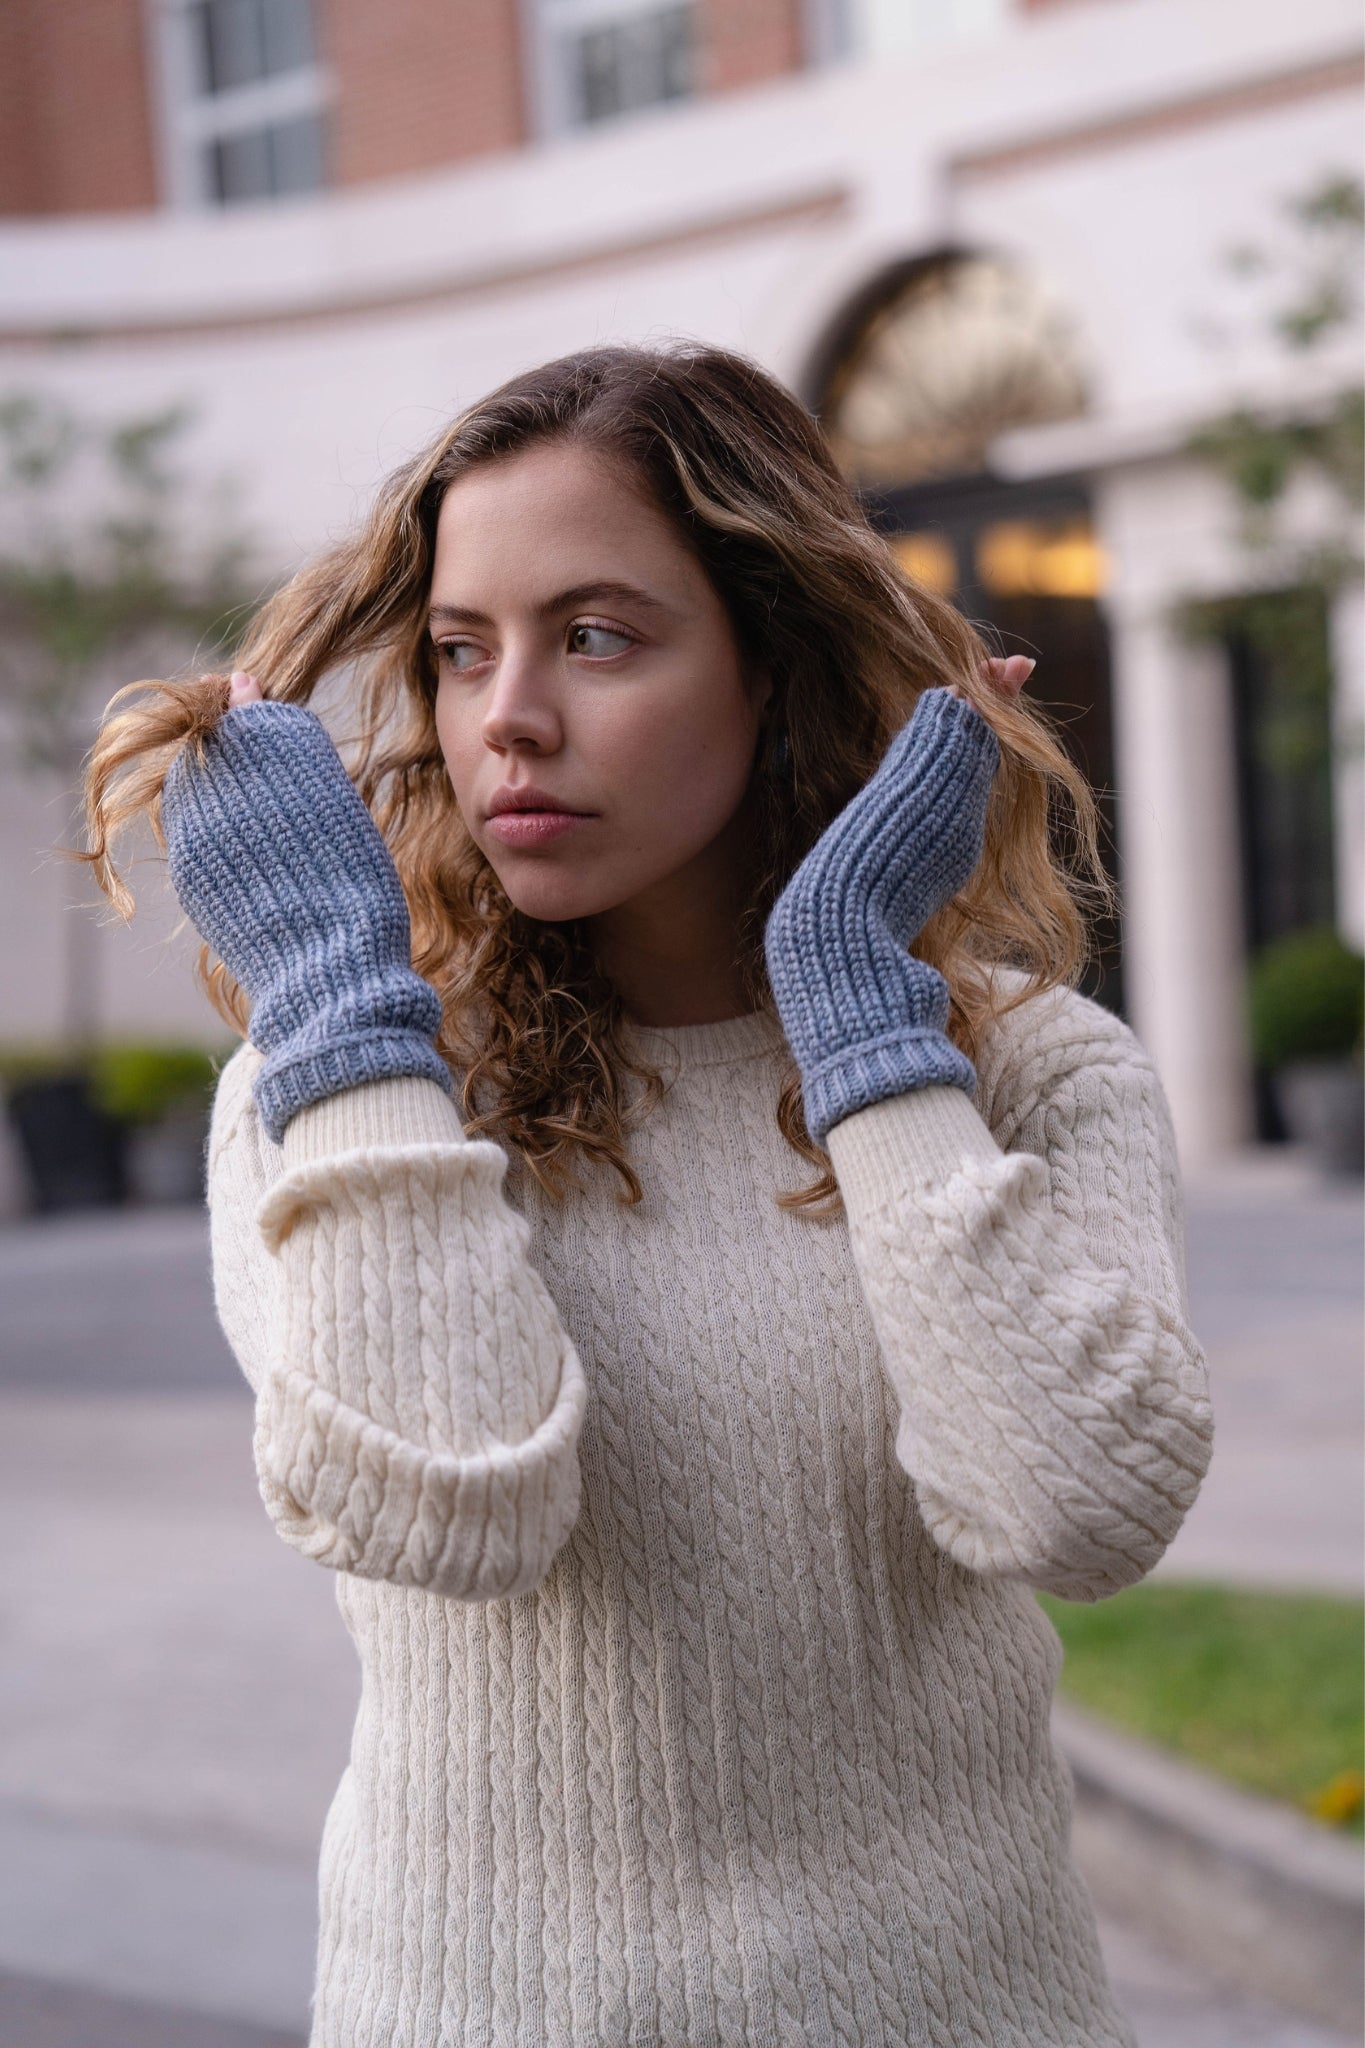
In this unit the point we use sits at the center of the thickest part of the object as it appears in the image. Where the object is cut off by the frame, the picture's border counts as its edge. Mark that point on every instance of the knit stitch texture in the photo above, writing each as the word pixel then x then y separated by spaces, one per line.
pixel 865 1019
pixel 281 868
pixel 688 1547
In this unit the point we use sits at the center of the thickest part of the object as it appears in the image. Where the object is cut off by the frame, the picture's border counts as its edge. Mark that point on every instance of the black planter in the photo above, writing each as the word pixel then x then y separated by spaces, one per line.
pixel 73 1152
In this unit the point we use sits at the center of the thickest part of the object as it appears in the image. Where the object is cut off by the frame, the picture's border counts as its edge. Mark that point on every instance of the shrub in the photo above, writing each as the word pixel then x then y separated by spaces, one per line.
pixel 138 1084
pixel 133 1083
pixel 1306 1000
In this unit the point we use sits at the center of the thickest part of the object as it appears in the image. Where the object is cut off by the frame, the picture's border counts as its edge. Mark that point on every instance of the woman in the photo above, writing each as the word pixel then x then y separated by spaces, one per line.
pixel 694 1308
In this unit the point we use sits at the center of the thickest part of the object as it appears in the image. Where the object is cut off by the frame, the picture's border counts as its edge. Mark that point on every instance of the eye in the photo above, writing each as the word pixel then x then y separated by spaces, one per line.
pixel 461 654
pixel 598 643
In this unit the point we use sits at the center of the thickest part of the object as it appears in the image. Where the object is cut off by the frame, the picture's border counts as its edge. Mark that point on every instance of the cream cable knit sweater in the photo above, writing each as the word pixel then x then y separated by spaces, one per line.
pixel 687 1549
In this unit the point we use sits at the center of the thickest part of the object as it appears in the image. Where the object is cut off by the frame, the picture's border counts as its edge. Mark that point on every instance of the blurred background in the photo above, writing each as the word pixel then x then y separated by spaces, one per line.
pixel 1075 286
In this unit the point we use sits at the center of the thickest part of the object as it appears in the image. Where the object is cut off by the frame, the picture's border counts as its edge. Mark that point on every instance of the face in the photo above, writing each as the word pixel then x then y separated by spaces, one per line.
pixel 596 722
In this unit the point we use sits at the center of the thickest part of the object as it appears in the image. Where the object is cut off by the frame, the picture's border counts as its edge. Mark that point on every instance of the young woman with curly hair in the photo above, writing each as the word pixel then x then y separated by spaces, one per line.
pixel 700 1262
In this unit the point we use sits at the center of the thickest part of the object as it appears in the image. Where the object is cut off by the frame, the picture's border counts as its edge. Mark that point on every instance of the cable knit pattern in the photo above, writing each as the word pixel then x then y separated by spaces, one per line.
pixel 705 1696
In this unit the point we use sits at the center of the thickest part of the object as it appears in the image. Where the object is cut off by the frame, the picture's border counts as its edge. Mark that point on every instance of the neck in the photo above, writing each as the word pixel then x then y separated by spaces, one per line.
pixel 672 952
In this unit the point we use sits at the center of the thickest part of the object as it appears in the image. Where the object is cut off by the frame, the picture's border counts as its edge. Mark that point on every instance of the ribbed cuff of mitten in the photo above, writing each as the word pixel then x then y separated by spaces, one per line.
pixel 876 1068
pixel 295 1076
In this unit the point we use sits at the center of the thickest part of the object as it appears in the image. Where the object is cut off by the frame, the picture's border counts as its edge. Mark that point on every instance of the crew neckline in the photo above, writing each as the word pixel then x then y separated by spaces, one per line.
pixel 756 1033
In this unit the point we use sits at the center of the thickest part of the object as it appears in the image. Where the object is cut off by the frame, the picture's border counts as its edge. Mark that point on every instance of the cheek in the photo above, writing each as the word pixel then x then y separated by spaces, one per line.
pixel 681 767
pixel 459 742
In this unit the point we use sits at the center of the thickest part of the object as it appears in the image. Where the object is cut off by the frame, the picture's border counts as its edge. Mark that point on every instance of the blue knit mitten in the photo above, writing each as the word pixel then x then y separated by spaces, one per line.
pixel 284 872
pixel 863 1017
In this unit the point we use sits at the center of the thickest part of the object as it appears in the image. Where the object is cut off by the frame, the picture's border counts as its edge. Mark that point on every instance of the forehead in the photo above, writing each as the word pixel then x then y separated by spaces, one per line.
pixel 553 513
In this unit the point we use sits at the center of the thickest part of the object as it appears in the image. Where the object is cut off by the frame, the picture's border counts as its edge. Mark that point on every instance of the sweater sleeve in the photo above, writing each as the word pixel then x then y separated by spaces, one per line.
pixel 1031 1307
pixel 418 1404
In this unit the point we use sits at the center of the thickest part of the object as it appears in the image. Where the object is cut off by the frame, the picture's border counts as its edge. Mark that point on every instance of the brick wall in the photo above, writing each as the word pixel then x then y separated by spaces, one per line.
pixel 16 148
pixel 742 44
pixel 75 114
pixel 418 85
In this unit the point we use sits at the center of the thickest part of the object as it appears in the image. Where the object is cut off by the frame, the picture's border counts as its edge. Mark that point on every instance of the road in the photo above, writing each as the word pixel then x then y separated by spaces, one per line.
pixel 177 1690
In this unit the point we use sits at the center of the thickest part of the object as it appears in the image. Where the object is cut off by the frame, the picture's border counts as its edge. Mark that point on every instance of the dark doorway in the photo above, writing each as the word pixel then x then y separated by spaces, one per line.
pixel 1021 562
pixel 1280 662
pixel 1281 691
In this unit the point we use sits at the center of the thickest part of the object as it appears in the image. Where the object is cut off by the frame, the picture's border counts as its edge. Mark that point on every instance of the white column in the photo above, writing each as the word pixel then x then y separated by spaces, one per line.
pixel 1348 760
pixel 1184 962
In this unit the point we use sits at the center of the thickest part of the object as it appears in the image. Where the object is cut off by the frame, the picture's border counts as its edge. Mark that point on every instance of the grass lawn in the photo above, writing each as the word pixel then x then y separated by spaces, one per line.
pixel 1264 1688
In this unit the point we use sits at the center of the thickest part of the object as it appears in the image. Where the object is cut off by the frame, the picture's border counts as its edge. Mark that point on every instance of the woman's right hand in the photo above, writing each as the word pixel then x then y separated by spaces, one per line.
pixel 281 868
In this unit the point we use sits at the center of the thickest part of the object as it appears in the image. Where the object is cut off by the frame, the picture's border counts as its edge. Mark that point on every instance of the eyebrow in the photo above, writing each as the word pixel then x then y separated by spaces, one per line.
pixel 563 600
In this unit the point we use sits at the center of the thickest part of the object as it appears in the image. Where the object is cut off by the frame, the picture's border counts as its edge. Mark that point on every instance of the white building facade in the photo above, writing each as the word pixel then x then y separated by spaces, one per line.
pixel 1110 151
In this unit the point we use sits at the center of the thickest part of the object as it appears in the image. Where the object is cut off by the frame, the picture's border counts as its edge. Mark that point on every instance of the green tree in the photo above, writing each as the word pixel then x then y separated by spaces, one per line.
pixel 1310 291
pixel 1304 284
pixel 115 561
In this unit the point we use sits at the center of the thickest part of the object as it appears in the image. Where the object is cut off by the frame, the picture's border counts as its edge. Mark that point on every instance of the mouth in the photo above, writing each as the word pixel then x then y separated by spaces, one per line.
pixel 530 818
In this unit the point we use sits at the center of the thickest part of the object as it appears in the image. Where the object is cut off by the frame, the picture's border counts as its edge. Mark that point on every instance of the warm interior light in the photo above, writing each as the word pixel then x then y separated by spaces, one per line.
pixel 1031 558
pixel 927 558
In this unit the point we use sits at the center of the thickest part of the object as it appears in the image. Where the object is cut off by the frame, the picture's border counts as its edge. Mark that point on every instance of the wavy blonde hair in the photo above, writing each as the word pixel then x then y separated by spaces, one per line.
pixel 816 602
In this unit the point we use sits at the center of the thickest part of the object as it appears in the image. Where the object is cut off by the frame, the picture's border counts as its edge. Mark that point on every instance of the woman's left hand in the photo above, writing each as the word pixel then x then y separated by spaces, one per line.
pixel 863 1016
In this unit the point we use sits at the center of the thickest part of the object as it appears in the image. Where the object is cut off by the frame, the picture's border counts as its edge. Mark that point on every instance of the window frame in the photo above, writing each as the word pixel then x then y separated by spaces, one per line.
pixel 544 23
pixel 826 32
pixel 191 121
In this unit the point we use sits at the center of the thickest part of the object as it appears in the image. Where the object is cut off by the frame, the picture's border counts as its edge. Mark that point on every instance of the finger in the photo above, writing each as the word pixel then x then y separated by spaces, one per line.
pixel 243 688
pixel 1005 673
pixel 1009 673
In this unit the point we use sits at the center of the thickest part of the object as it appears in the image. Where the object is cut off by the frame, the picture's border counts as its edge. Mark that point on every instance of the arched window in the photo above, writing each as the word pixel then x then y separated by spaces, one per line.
pixel 938 359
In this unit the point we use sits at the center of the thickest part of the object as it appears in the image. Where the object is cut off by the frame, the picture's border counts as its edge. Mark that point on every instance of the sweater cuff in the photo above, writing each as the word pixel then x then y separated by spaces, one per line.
pixel 377 1116
pixel 902 1060
pixel 909 1142
pixel 294 1077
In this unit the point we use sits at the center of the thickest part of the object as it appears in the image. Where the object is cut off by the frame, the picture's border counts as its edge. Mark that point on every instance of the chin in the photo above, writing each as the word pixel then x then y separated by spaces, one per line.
pixel 553 898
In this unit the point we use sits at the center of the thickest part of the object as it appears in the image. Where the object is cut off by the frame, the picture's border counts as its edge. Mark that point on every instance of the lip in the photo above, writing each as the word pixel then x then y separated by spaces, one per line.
pixel 528 817
pixel 525 796
pixel 535 828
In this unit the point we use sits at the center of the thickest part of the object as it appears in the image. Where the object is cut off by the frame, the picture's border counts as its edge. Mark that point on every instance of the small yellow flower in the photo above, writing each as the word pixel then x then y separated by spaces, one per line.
pixel 1340 1799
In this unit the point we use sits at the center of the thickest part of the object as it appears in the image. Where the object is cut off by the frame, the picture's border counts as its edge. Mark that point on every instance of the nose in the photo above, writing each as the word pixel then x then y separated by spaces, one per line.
pixel 521 709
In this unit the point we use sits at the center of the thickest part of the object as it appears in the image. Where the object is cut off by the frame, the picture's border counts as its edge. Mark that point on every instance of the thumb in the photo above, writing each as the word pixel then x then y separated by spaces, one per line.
pixel 243 689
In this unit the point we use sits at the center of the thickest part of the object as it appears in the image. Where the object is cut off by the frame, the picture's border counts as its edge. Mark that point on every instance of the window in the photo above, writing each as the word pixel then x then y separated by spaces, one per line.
pixel 938 359
pixel 828 30
pixel 600 58
pixel 245 101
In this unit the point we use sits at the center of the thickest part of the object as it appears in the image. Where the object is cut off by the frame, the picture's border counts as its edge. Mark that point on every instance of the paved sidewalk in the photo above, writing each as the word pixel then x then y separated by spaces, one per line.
pixel 177 1690
pixel 38 2014
pixel 1277 1276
